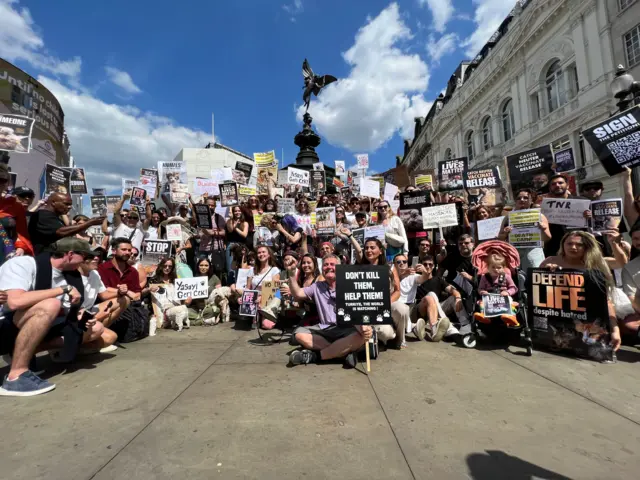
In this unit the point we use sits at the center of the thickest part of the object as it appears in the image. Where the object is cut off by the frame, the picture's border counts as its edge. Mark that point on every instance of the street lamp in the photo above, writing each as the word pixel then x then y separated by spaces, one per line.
pixel 623 86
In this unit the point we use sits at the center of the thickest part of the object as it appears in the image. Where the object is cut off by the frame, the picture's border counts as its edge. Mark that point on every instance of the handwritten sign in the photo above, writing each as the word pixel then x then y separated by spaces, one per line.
pixel 440 216
pixel 567 212
pixel 197 287
pixel 298 177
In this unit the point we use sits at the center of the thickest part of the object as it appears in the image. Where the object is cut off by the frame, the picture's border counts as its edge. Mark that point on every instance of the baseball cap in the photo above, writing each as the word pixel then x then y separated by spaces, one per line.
pixel 72 244
pixel 361 214
pixel 23 192
pixel 594 183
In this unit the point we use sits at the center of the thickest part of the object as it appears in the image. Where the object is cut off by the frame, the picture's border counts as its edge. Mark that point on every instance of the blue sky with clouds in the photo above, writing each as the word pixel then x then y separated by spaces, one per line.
pixel 138 80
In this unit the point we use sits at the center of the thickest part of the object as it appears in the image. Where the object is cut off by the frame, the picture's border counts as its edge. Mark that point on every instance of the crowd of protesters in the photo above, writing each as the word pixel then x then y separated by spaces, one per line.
pixel 71 291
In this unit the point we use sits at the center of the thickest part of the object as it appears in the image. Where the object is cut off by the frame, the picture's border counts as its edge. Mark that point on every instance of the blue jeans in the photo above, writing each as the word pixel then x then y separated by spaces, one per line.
pixel 229 257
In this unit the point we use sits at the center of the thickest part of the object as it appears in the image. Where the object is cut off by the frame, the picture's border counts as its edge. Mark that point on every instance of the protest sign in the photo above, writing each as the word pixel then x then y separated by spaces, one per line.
pixel 394 205
pixel 424 182
pixel 99 192
pixel 127 185
pixel 524 218
pixel 567 212
pixel 283 177
pixel 326 221
pixel 363 296
pixel 112 201
pixel 265 159
pixel 374 231
pixel 340 167
pixel 530 169
pixel 495 305
pixel 77 181
pixel 390 192
pixel 564 161
pixel 295 176
pixel 350 176
pixel 267 177
pixel 203 216
pixel 249 303
pixel 359 236
pixel 490 228
pixel 170 173
pixel 155 250
pixel 196 287
pixel 286 205
pixel 380 181
pixel 245 168
pixel 206 185
pixel 56 180
pixel 16 132
pixel 98 205
pixel 440 216
pixel 526 237
pixel 411 205
pixel 369 188
pixel 228 194
pixel 338 183
pixel 318 166
pixel 616 140
pixel 450 174
pixel 268 291
pixel 362 160
pixel 137 197
pixel 257 219
pixel 179 193
pixel 558 311
pixel 149 172
pixel 264 236
pixel 318 181
pixel 246 190
pixel 149 184
pixel 174 232
pixel 398 176
pixel 606 215
pixel 243 276
pixel 482 178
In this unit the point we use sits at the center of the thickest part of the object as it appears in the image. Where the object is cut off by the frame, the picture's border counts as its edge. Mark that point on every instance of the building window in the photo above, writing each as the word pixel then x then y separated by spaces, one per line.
pixel 470 149
pixel 535 108
pixel 508 125
pixel 561 144
pixel 632 46
pixel 486 134
pixel 556 93
pixel 625 3
pixel 583 155
pixel 447 154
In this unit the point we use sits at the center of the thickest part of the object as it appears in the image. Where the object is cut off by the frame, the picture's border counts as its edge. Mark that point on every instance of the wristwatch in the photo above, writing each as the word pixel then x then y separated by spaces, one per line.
pixel 67 289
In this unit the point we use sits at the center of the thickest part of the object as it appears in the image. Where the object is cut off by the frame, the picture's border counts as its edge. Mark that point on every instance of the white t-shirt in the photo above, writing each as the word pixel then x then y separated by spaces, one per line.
pixel 124 231
pixel 408 288
pixel 152 233
pixel 92 287
pixel 19 273
pixel 268 275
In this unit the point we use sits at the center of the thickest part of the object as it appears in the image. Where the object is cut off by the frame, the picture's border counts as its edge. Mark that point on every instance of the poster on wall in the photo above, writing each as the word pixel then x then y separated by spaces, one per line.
pixel 531 169
pixel 450 174
pixel 15 133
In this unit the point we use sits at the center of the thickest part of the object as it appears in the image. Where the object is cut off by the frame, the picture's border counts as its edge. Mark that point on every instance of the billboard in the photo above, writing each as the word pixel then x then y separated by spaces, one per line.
pixel 20 94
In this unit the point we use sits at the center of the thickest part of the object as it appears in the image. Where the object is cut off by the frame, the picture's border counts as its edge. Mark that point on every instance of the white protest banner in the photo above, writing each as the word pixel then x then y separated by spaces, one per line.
pixel 439 216
pixel 340 167
pixel 206 185
pixel 490 228
pixel 296 176
pixel 363 160
pixel 286 205
pixel 174 232
pixel 568 212
pixel 197 287
pixel 374 231
pixel 243 276
pixel 390 191
pixel 394 205
pixel 369 188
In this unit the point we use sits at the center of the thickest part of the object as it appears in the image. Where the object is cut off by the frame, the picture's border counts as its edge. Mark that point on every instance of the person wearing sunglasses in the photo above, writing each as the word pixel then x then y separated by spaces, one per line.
pixel 395 235
pixel 409 280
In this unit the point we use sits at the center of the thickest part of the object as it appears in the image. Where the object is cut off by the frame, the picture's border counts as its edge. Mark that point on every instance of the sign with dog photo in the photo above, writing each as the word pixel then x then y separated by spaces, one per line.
pixel 197 287
pixel 363 295
pixel 249 303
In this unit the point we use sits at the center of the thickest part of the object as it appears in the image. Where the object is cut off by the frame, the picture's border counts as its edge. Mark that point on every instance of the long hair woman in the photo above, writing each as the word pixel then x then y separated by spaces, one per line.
pixel 198 306
pixel 394 233
pixel 265 269
pixel 237 232
pixel 172 312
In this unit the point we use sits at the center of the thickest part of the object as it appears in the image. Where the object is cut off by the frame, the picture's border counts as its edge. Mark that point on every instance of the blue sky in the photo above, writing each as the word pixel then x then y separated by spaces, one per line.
pixel 138 80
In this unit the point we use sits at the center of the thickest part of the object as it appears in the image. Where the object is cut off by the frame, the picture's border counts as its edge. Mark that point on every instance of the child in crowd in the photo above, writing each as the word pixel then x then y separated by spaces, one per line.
pixel 497 281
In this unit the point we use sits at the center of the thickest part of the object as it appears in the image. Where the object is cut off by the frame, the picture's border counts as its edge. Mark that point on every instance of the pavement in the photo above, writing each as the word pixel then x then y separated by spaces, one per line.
pixel 214 402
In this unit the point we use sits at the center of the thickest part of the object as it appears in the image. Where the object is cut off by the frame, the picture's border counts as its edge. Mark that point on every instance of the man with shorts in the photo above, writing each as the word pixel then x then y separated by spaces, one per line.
pixel 326 340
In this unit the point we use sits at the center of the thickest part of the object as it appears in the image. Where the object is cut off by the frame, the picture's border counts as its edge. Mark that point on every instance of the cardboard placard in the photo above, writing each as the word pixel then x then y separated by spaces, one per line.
pixel 203 216
pixel 495 305
pixel 268 291
pixel 439 216
pixel 450 174
pixel 228 194
pixel 174 232
pixel 363 295
pixel 530 169
pixel 606 215
pixel 559 315
pixel 196 287
pixel 568 212
pixel 249 303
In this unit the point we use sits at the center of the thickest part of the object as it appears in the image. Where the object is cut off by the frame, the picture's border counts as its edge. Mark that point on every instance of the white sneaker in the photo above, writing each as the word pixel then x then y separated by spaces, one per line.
pixel 451 331
pixel 109 349
pixel 419 330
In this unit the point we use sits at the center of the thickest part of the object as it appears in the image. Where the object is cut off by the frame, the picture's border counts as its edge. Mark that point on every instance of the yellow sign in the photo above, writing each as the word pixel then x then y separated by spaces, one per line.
pixel 424 180
pixel 246 190
pixel 265 159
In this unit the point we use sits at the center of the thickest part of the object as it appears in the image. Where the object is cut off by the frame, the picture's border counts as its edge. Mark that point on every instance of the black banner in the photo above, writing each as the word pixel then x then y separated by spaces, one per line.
pixel 616 141
pixel 531 169
pixel 203 216
pixel 228 194
pixel 450 174
pixel 606 215
pixel 482 178
pixel 56 180
pixel 318 180
pixel 78 182
pixel 363 296
pixel 568 311
pixel 411 205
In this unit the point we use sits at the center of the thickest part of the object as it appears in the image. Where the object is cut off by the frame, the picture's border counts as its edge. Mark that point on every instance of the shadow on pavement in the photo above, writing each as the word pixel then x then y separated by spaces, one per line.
pixel 493 464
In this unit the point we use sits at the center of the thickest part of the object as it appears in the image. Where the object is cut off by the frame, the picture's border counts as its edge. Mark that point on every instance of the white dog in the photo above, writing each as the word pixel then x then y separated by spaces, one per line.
pixel 220 298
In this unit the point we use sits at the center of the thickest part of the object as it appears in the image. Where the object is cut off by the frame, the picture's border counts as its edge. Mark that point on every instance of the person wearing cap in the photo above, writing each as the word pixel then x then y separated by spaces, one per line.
pixel 14 234
pixel 44 299
pixel 592 190
pixel 25 196
pixel 127 226
pixel 361 220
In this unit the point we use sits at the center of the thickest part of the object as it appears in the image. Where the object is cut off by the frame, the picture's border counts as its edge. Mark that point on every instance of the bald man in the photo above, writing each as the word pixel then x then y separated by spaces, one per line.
pixel 46 227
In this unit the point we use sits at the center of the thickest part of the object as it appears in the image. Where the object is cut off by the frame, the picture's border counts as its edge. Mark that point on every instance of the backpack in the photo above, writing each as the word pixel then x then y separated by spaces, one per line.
pixel 133 323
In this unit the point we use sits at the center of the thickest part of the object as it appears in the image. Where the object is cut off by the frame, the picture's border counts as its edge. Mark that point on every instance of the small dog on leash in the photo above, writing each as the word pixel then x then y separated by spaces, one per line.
pixel 220 298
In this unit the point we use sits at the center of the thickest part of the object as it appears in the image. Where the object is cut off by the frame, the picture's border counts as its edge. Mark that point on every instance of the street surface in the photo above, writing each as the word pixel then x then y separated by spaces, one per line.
pixel 215 403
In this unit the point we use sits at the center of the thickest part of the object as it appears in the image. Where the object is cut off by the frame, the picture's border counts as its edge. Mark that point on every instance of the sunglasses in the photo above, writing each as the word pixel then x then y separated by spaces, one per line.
pixel 382 207
pixel 402 262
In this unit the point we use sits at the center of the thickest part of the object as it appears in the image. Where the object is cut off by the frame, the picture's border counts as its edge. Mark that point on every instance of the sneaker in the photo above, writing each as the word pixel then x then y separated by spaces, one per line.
pixel 350 360
pixel 268 314
pixel 7 358
pixel 305 357
pixel 26 385
pixel 419 329
pixel 109 349
pixel 451 331
pixel 438 329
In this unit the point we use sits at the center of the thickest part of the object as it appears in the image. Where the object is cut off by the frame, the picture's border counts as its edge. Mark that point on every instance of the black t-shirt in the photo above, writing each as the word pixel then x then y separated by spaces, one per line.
pixel 436 285
pixel 42 230
pixel 455 263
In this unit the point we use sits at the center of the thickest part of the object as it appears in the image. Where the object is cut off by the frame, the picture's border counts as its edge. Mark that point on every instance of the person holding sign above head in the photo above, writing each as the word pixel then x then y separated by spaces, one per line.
pixel 580 251
pixel 326 340
pixel 166 305
pixel 127 226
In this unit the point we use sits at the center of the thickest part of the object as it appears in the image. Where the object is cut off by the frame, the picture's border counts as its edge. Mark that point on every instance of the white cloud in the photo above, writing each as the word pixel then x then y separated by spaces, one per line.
pixel 445 45
pixel 19 40
pixel 488 16
pixel 122 79
pixel 419 108
pixel 441 11
pixel 364 110
pixel 293 9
